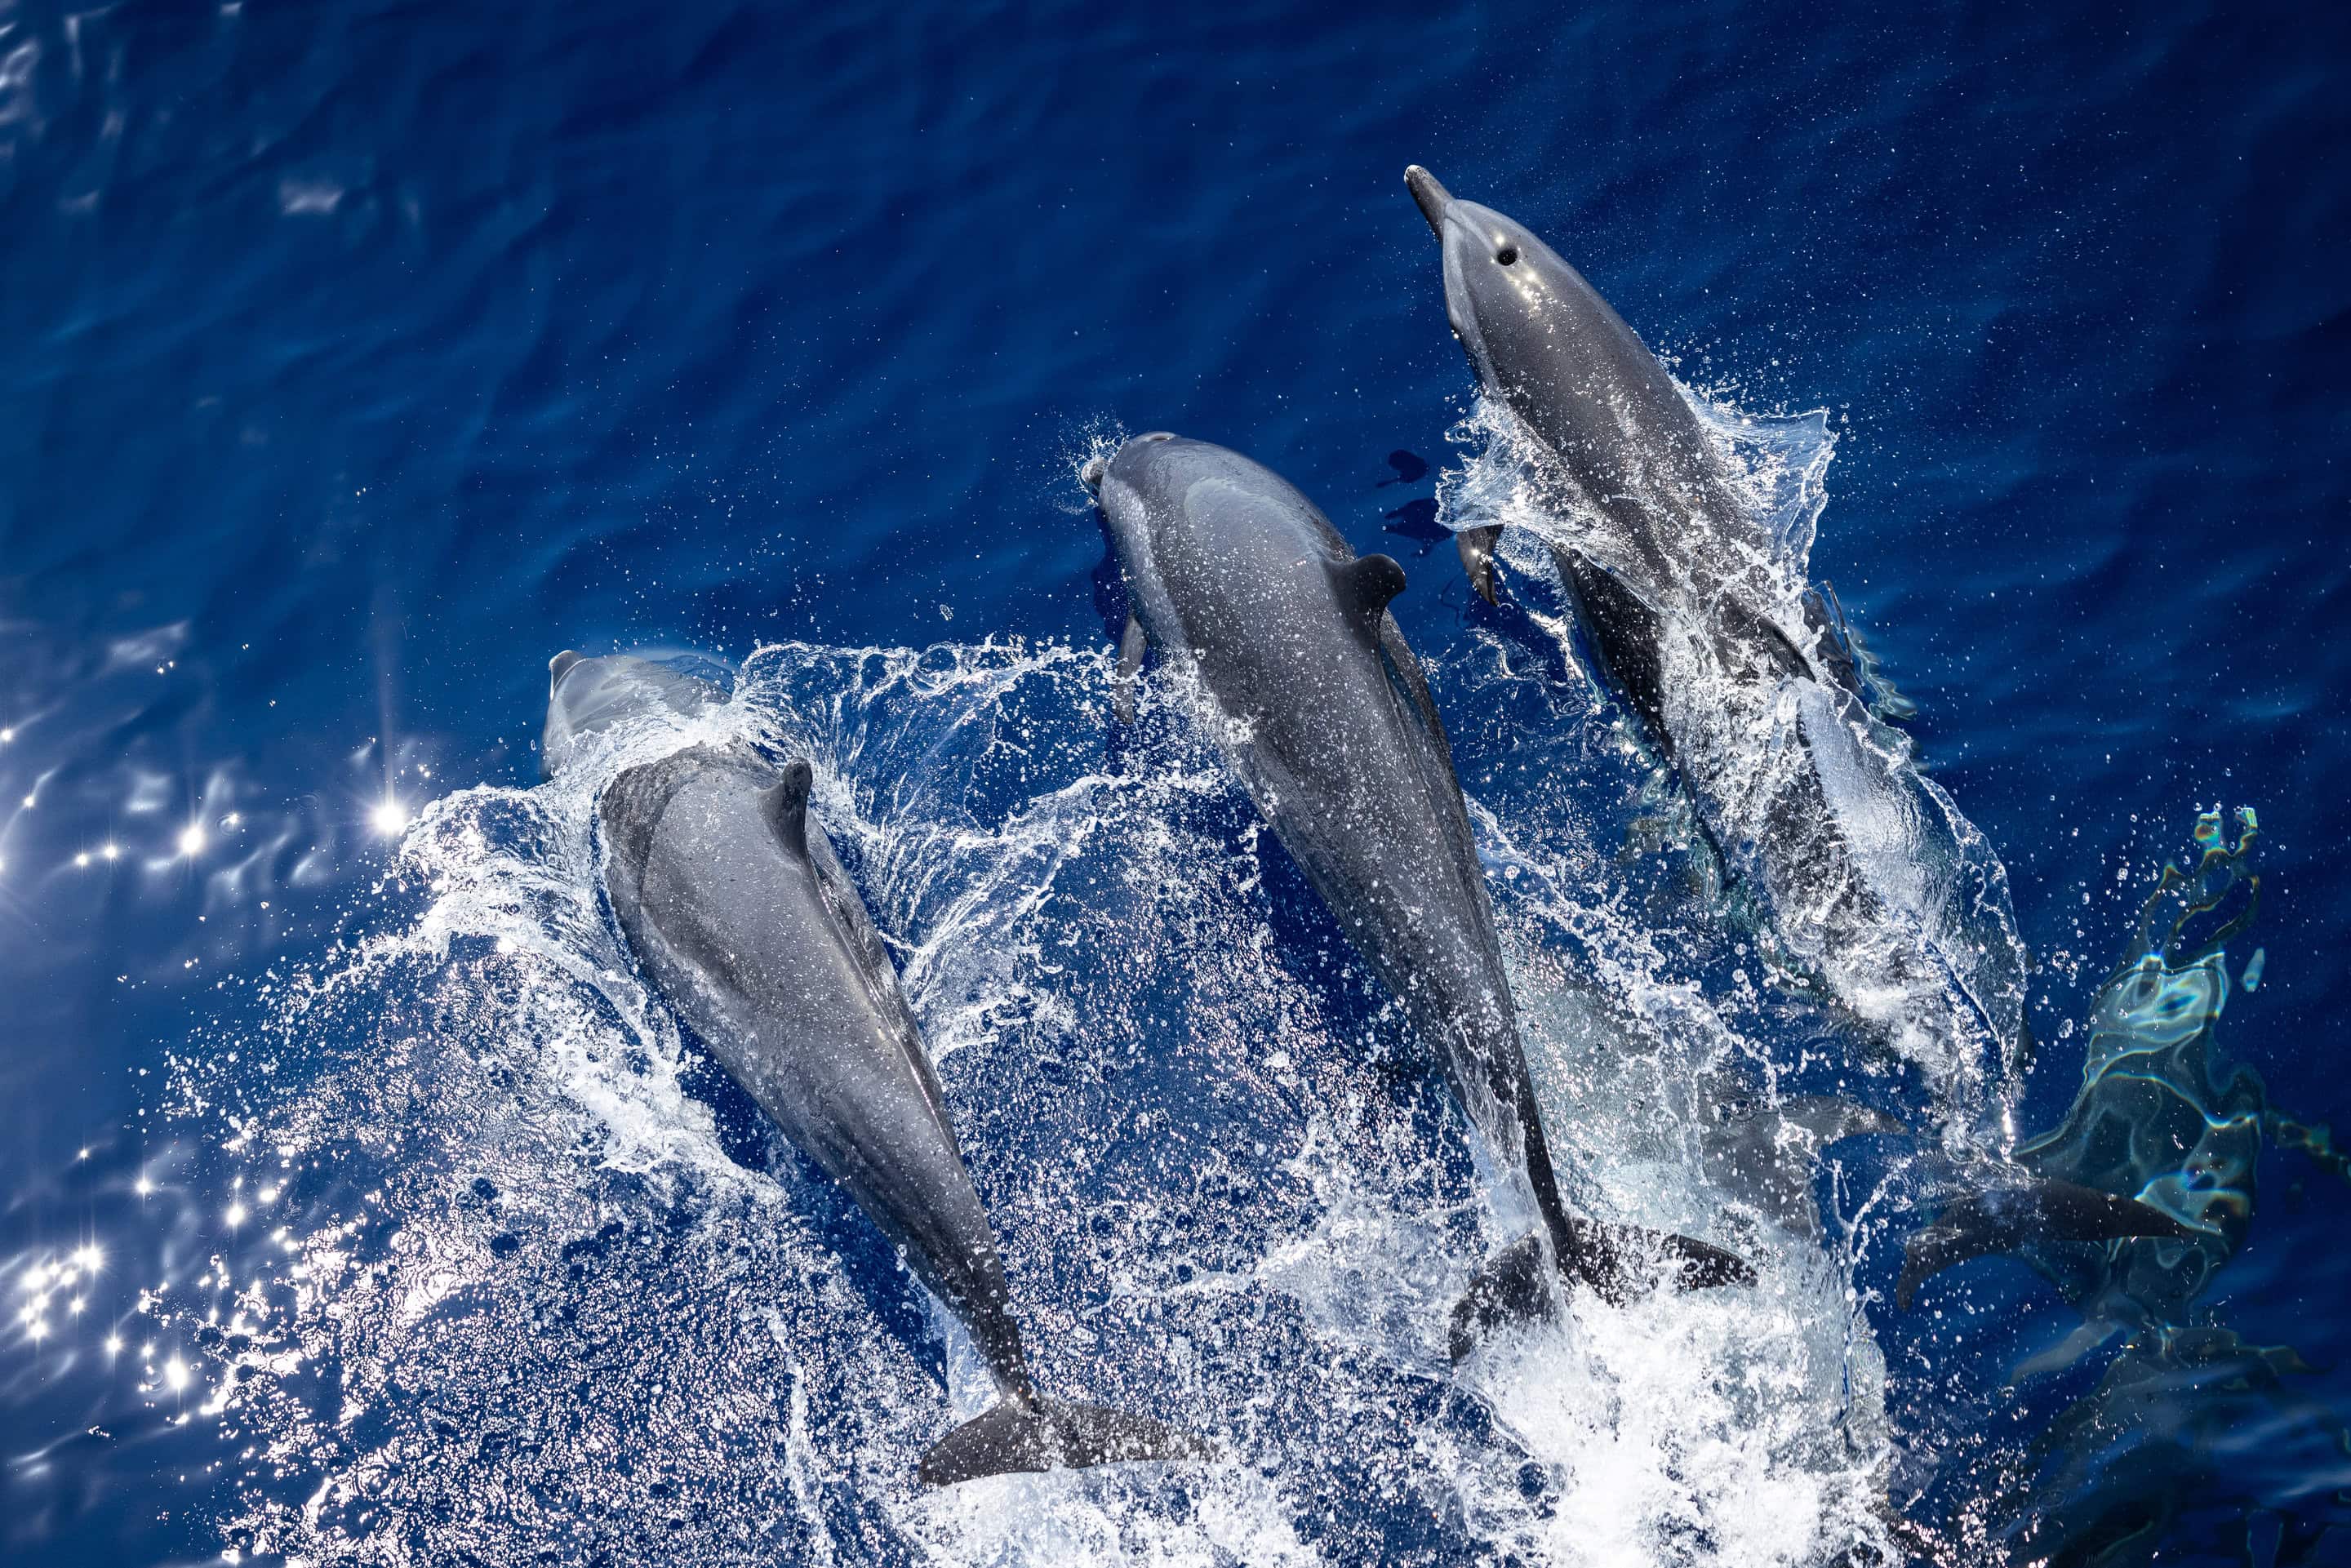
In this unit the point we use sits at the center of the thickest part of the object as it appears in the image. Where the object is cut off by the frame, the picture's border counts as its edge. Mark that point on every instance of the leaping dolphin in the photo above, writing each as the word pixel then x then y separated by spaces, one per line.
pixel 1327 718
pixel 1877 883
pixel 730 894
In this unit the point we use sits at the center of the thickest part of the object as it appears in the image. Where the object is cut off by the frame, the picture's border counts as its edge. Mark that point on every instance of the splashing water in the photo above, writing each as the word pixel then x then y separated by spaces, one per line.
pixel 555 1285
pixel 1885 904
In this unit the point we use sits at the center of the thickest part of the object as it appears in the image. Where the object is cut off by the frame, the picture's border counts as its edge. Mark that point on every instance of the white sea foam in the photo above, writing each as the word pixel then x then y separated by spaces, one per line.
pixel 1884 898
pixel 572 1290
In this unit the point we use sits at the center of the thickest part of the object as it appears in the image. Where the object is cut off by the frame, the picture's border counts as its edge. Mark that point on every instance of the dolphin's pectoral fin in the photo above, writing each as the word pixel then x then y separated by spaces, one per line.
pixel 1131 644
pixel 1017 1437
pixel 1366 585
pixel 1999 1219
pixel 1508 1288
pixel 1477 547
pixel 785 806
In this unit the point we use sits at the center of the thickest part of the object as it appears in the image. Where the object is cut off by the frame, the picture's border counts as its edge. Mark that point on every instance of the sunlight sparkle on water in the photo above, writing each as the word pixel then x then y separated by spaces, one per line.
pixel 114 1344
pixel 389 817
pixel 236 1214
pixel 191 839
pixel 175 1373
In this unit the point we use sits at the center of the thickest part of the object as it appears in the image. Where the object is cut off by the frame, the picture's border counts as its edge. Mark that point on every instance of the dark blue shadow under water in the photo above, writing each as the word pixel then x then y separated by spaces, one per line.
pixel 354 358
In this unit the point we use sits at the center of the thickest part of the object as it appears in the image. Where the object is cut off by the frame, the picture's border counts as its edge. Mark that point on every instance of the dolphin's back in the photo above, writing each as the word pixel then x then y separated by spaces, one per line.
pixel 1570 365
pixel 735 901
pixel 745 922
pixel 1327 716
pixel 1583 382
pixel 1328 720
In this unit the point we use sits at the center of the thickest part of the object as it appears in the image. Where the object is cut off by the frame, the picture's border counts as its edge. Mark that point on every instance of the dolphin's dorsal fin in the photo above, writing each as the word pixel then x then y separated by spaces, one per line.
pixel 1366 585
pixel 784 805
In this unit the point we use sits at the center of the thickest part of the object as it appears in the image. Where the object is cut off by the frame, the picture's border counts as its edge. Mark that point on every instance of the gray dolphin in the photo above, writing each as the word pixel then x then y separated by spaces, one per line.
pixel 1762 1150
pixel 1327 718
pixel 730 894
pixel 1877 884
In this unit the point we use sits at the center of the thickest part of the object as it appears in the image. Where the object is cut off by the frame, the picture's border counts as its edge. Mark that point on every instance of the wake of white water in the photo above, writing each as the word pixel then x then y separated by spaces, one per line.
pixel 1886 901
pixel 549 1288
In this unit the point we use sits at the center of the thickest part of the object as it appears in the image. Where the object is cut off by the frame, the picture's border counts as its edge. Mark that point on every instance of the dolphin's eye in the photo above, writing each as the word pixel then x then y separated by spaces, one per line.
pixel 1507 255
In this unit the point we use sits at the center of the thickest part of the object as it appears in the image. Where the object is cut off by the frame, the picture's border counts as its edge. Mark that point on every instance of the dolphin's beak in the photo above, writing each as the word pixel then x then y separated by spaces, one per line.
pixel 1433 197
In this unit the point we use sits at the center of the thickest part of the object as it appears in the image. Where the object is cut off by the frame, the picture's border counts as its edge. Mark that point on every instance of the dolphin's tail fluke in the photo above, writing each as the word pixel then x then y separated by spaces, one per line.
pixel 1998 1220
pixel 1619 1262
pixel 1026 1436
pixel 1511 1287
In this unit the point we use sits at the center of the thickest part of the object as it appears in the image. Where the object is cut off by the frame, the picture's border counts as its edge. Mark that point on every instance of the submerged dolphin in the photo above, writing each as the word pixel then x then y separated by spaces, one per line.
pixel 1878 886
pixel 2162 1119
pixel 1328 720
pixel 1763 1150
pixel 731 897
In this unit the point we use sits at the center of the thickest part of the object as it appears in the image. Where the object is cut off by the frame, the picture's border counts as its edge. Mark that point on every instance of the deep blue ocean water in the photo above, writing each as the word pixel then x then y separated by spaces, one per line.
pixel 354 358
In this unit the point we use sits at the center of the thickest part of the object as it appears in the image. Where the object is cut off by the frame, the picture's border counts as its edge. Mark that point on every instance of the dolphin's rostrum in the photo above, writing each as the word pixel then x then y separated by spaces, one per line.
pixel 1323 712
pixel 730 894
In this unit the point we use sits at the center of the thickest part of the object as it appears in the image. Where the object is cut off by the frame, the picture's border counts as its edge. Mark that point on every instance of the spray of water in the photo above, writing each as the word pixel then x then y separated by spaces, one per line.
pixel 555 1280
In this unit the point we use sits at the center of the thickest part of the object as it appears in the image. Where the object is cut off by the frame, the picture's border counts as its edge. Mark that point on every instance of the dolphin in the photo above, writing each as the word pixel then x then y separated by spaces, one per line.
pixel 730 894
pixel 2004 1218
pixel 1879 888
pixel 1762 1150
pixel 1323 711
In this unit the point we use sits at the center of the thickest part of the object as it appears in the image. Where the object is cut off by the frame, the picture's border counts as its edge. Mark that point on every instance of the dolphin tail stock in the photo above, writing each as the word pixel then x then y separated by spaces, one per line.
pixel 1477 549
pixel 2000 1219
pixel 1031 1435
